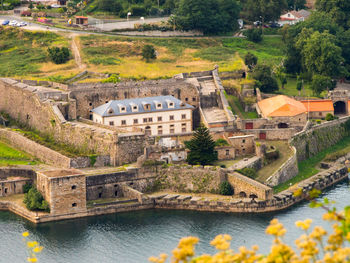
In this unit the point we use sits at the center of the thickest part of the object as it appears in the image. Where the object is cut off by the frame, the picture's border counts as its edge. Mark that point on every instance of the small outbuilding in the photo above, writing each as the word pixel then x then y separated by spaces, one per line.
pixel 81 20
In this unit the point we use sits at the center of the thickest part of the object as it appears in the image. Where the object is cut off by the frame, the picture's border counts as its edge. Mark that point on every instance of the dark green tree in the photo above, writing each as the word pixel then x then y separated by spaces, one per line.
pixel 59 55
pixel 201 147
pixel 296 4
pixel 109 6
pixel 250 60
pixel 339 10
pixel 208 16
pixel 264 80
pixel 148 53
pixel 321 55
pixel 263 10
pixel 320 83
pixel 254 34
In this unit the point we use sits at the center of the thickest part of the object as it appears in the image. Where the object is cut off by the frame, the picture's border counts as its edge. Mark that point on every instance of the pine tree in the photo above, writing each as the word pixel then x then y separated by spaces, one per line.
pixel 201 147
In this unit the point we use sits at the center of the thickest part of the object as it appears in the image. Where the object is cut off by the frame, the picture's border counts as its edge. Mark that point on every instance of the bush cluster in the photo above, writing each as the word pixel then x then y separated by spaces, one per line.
pixel 249 172
pixel 59 55
pixel 225 188
pixel 34 200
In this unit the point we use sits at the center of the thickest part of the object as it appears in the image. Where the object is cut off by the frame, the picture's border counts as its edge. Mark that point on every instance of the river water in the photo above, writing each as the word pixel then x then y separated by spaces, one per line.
pixel 134 236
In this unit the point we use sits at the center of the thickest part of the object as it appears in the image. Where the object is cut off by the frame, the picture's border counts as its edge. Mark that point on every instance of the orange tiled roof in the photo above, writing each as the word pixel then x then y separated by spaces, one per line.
pixel 318 105
pixel 281 106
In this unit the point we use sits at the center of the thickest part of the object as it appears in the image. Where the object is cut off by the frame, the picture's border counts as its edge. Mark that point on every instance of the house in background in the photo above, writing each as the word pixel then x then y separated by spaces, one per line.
pixel 161 115
pixel 318 109
pixel 293 17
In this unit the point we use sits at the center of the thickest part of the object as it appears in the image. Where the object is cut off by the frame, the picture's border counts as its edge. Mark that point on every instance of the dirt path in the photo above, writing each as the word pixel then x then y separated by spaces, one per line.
pixel 76 53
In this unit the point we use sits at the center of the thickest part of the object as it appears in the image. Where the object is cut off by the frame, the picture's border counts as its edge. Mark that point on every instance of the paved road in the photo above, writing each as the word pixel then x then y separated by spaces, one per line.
pixel 128 24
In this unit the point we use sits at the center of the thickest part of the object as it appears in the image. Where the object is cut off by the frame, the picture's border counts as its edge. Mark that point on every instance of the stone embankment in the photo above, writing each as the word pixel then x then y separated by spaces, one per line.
pixel 138 201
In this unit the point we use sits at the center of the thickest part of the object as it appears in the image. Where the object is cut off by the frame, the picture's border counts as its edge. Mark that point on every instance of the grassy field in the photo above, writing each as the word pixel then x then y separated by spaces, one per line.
pixel 237 108
pixel 308 168
pixel 11 156
pixel 24 53
pixel 175 55
pixel 285 152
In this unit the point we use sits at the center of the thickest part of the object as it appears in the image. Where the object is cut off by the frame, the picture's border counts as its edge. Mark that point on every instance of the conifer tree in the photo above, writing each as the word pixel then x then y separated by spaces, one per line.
pixel 201 147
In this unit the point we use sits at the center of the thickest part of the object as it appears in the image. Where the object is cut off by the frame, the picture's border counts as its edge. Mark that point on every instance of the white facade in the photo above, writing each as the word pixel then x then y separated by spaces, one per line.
pixel 169 122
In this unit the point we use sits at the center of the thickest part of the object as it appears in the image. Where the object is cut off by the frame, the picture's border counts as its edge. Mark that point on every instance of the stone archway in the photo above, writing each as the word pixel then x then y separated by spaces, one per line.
pixel 242 194
pixel 283 125
pixel 339 108
pixel 253 196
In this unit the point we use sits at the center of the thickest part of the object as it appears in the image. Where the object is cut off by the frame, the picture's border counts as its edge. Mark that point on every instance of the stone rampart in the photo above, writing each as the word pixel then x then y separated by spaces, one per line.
pixel 310 142
pixel 246 187
pixel 286 172
pixel 271 134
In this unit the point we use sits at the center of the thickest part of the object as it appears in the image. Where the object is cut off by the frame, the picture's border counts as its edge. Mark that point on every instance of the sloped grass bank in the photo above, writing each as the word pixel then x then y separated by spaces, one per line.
pixel 11 156
pixel 308 168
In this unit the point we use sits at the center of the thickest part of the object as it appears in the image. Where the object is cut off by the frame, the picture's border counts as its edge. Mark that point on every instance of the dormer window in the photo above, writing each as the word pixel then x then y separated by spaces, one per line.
pixel 134 107
pixel 158 105
pixel 170 104
pixel 122 108
pixel 147 106
pixel 110 111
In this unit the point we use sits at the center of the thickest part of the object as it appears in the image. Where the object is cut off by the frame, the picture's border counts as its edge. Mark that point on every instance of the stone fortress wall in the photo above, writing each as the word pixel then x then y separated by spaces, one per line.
pixel 310 142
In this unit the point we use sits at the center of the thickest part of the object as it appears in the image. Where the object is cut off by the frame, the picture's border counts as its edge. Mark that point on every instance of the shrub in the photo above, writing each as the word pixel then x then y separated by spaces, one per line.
pixel 249 172
pixel 27 187
pixel 221 142
pixel 153 163
pixel 35 201
pixel 225 188
pixel 59 55
pixel 329 117
pixel 318 121
pixel 148 53
pixel 114 78
pixel 254 35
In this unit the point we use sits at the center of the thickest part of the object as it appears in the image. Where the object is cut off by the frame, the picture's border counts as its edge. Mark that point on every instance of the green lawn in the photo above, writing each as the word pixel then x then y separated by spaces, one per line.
pixel 237 108
pixel 22 52
pixel 308 168
pixel 11 156
pixel 285 152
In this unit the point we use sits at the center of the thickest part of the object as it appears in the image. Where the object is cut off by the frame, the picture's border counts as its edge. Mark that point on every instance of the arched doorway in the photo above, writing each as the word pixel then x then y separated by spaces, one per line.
pixel 282 125
pixel 242 194
pixel 148 130
pixel 339 107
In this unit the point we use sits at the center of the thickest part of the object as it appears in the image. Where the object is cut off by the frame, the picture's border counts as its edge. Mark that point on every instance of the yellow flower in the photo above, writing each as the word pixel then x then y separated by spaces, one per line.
pixel 38 249
pixel 31 244
pixel 276 228
pixel 32 259
pixel 305 225
pixel 25 234
pixel 161 259
pixel 298 192
pixel 220 242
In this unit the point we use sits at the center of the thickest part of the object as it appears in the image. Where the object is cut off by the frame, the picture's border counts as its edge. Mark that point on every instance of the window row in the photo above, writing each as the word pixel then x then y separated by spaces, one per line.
pixel 149 120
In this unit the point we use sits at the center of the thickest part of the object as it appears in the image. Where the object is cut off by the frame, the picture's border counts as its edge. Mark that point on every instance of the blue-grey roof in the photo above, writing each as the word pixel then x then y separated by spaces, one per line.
pixel 115 105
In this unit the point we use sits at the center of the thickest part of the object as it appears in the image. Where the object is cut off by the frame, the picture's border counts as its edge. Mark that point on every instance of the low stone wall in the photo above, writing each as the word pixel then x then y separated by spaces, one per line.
pixel 132 193
pixel 272 134
pixel 286 172
pixel 320 137
pixel 17 172
pixel 48 155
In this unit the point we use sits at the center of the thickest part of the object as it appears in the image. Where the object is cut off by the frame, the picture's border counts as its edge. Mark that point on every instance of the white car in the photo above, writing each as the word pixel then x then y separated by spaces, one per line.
pixel 21 24
pixel 55 6
pixel 13 23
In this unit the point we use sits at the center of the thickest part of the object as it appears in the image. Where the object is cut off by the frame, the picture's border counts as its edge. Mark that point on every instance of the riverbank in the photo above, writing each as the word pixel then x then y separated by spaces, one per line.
pixel 279 202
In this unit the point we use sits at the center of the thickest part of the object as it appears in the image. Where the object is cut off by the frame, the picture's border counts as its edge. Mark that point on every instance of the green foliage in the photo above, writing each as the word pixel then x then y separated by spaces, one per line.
pixel 153 163
pixel 265 10
pixel 265 81
pixel 148 52
pixel 221 142
pixel 92 158
pixel 320 83
pixel 59 55
pixel 249 172
pixel 114 78
pixel 250 60
pixel 27 187
pixel 109 6
pixel 208 16
pixel 329 117
pixel 254 34
pixel 339 10
pixel 225 188
pixel 34 201
pixel 11 156
pixel 296 4
pixel 201 147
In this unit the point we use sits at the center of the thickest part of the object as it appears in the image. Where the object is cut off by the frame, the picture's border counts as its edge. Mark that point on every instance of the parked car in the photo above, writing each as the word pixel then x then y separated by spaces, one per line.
pixel 13 23
pixel 275 25
pixel 55 6
pixel 21 24
pixel 6 22
pixel 257 23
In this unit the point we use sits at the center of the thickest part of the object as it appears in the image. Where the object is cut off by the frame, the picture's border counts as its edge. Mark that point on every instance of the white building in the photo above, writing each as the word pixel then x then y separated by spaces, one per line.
pixel 294 17
pixel 162 115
